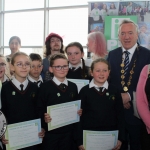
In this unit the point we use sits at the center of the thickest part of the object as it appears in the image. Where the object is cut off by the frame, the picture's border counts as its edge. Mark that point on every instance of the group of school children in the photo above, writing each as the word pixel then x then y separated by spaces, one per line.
pixel 25 97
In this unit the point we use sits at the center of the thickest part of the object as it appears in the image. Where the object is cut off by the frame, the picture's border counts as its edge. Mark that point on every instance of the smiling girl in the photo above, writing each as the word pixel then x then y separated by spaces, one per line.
pixel 101 103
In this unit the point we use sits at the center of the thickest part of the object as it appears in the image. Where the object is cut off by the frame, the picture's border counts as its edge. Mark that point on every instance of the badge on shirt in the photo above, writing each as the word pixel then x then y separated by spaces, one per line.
pixel 112 97
pixel 13 93
pixel 58 94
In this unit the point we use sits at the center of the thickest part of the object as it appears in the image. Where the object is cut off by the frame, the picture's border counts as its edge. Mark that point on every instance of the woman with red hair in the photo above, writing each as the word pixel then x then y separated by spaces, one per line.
pixel 97 45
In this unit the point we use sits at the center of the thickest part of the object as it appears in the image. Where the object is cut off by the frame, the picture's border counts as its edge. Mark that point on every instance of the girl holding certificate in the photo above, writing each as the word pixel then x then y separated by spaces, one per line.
pixel 19 95
pixel 101 103
pixel 77 68
pixel 56 91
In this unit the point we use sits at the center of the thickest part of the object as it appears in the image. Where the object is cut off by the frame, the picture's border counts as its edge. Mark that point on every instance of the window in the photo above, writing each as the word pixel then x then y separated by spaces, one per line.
pixel 72 24
pixel 27 25
pixel 23 4
pixel 58 3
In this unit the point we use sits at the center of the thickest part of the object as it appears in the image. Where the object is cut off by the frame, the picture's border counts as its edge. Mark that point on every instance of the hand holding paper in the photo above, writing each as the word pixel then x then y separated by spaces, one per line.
pixel 4 141
pixel 42 133
pixel 117 147
pixel 79 112
pixel 47 118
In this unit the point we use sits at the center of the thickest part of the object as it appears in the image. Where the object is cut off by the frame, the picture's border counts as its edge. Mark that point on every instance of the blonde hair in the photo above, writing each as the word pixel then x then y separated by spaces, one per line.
pixel 7 70
pixel 17 54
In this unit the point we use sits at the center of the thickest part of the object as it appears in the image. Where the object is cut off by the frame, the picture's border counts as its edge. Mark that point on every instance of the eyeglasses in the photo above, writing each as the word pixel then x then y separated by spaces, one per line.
pixel 2 65
pixel 65 67
pixel 36 67
pixel 20 65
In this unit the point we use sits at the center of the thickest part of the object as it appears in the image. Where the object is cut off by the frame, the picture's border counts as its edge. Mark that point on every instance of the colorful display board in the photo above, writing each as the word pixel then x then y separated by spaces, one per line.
pixel 106 17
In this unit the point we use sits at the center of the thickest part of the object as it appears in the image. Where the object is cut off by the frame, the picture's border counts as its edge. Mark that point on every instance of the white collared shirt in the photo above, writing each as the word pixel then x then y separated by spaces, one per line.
pixel 58 82
pixel 92 84
pixel 33 80
pixel 76 67
pixel 131 51
pixel 17 83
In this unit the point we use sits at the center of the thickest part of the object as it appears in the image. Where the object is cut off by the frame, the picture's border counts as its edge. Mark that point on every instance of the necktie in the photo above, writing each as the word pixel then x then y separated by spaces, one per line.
pixel 21 86
pixel 62 86
pixel 37 82
pixel 73 68
pixel 126 61
pixel 100 89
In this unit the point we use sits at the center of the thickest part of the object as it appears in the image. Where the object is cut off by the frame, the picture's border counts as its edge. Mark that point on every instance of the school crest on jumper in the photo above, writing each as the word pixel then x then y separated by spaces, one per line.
pixel 33 94
pixel 112 97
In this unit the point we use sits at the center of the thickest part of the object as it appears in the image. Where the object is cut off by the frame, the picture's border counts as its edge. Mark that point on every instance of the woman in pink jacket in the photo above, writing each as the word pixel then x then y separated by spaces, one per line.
pixel 143 105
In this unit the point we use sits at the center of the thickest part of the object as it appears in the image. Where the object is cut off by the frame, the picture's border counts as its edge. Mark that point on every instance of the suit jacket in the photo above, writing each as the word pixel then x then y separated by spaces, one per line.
pixel 141 98
pixel 115 59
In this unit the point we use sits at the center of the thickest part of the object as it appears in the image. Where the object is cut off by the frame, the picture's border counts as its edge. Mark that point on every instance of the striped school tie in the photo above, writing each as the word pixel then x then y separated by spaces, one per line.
pixel 21 86
pixel 101 89
pixel 126 61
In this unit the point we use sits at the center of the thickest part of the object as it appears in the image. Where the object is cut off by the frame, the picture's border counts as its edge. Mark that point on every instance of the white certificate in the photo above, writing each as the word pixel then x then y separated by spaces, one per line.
pixel 63 114
pixel 23 134
pixel 99 140
pixel 79 82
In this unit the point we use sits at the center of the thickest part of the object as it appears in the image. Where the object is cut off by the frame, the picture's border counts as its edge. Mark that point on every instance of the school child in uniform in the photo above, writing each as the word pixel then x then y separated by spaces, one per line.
pixel 56 91
pixel 4 70
pixel 77 68
pixel 101 103
pixel 4 78
pixel 36 68
pixel 19 95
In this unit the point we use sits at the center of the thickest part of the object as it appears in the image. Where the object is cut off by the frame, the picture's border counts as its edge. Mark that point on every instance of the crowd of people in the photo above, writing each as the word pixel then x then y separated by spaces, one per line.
pixel 30 84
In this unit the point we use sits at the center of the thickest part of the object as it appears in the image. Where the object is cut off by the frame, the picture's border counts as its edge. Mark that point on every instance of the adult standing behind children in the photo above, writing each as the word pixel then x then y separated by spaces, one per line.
pixel 14 45
pixel 54 44
pixel 126 64
pixel 97 45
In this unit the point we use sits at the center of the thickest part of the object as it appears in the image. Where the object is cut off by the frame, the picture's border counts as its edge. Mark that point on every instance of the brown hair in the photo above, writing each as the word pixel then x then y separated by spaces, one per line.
pixel 17 54
pixel 48 48
pixel 15 37
pixel 78 45
pixel 99 60
pixel 57 56
pixel 34 57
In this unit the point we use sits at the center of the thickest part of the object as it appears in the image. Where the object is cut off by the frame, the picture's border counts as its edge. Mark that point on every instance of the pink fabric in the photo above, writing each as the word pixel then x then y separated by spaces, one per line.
pixel 142 103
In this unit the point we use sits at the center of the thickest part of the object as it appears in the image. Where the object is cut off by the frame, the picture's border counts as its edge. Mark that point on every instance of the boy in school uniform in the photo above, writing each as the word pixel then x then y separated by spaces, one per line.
pixel 56 91
pixel 36 68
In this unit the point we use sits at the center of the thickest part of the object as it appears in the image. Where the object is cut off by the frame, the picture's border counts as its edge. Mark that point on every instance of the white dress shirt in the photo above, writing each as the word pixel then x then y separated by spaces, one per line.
pixel 92 84
pixel 17 83
pixel 58 82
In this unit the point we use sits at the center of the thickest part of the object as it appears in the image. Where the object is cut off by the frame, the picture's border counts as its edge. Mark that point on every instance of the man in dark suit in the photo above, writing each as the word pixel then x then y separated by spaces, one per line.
pixel 126 63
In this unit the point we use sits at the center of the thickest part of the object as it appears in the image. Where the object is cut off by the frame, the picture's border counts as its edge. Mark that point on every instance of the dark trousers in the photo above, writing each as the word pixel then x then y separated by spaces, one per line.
pixel 57 141
pixel 145 139
pixel 133 137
